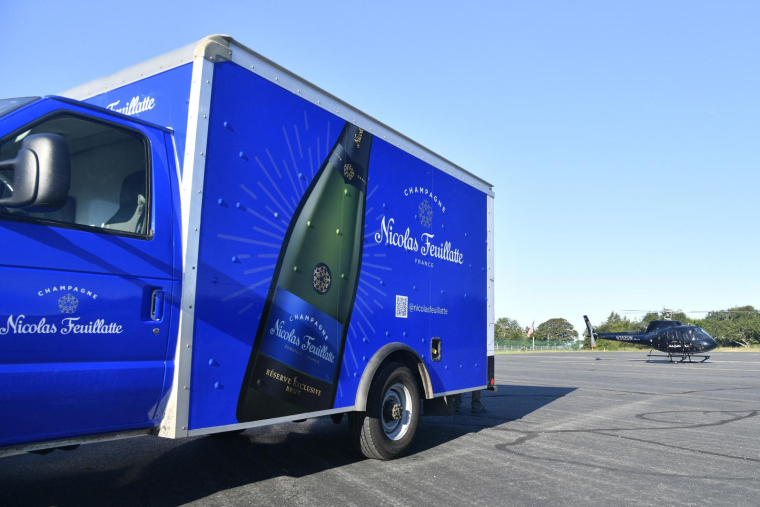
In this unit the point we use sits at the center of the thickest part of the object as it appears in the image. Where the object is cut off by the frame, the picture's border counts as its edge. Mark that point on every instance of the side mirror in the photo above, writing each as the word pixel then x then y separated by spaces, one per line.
pixel 41 174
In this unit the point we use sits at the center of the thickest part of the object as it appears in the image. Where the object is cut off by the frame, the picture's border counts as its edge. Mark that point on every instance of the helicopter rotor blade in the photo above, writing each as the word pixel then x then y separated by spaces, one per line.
pixel 689 311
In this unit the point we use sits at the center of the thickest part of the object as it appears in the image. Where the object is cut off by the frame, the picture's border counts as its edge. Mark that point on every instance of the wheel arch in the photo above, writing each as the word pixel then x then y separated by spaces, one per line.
pixel 398 352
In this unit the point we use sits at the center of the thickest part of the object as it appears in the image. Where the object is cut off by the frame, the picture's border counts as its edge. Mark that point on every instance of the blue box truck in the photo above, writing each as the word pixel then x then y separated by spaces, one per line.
pixel 205 243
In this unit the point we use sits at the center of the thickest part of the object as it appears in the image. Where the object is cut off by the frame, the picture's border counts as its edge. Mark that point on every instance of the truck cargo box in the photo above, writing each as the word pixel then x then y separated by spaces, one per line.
pixel 292 249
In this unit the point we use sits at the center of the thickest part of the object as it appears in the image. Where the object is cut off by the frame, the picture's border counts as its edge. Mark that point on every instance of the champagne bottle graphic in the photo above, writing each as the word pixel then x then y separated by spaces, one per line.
pixel 297 352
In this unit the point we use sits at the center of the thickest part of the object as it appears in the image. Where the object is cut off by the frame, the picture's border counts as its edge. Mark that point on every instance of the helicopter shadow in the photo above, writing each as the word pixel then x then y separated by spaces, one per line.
pixel 656 359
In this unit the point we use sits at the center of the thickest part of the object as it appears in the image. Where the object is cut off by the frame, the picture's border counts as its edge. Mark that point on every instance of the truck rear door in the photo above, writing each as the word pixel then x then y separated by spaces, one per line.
pixel 87 289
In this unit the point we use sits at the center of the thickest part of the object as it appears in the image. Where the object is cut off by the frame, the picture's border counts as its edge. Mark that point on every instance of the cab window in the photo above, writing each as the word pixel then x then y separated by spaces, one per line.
pixel 109 176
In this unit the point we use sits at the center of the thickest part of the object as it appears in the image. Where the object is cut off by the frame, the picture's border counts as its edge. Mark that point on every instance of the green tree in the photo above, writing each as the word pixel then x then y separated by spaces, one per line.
pixel 507 329
pixel 736 326
pixel 617 324
pixel 557 329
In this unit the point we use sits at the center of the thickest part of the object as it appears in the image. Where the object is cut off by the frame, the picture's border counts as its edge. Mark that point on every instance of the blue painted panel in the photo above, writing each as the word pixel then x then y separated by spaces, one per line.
pixel 265 146
pixel 77 398
pixel 174 300
pixel 85 251
pixel 162 99
pixel 78 351
pixel 173 308
pixel 392 266
pixel 459 285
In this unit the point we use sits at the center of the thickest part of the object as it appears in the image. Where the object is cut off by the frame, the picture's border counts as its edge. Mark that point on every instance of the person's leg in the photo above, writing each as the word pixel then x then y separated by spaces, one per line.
pixel 456 401
pixel 477 405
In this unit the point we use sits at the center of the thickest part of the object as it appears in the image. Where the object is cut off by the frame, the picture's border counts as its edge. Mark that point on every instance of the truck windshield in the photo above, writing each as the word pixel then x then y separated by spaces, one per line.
pixel 8 105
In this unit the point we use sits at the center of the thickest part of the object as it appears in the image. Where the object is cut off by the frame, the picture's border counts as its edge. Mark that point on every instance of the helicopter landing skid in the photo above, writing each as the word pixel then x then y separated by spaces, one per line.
pixel 684 357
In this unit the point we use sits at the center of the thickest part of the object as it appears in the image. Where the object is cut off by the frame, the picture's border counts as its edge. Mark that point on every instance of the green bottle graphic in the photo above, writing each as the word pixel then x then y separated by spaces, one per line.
pixel 296 357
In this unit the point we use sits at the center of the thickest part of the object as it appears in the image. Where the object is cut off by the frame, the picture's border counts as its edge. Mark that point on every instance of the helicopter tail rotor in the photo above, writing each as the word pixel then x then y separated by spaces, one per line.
pixel 590 331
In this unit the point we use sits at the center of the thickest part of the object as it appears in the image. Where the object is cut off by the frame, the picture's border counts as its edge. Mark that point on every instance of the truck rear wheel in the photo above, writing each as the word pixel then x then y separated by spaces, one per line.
pixel 388 426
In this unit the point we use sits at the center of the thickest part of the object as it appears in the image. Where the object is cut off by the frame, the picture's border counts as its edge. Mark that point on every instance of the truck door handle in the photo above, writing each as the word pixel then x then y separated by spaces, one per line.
pixel 157 305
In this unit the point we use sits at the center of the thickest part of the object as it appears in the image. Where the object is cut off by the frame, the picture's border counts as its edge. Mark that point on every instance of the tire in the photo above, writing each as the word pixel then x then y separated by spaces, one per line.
pixel 387 428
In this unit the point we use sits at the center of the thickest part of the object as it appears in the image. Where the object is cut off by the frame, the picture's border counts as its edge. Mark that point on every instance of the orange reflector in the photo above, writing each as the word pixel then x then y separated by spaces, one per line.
pixel 491 381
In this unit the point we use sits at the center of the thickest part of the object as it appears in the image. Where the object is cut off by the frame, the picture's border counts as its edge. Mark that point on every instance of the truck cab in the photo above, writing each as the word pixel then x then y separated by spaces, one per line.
pixel 89 272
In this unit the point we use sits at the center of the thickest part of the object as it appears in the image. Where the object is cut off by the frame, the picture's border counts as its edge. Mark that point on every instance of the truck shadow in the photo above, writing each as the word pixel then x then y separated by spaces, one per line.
pixel 158 472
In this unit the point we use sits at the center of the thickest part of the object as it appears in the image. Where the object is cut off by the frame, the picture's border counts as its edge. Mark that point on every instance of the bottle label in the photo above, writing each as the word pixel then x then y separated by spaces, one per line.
pixel 302 337
pixel 353 170
pixel 353 174
pixel 274 379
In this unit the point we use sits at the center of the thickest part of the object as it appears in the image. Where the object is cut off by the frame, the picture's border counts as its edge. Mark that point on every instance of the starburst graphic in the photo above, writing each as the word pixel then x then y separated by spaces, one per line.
pixel 68 304
pixel 267 199
pixel 322 278
pixel 425 214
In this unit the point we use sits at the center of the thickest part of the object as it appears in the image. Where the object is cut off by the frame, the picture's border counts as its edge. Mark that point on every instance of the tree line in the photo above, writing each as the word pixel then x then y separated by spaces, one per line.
pixel 736 327
pixel 557 329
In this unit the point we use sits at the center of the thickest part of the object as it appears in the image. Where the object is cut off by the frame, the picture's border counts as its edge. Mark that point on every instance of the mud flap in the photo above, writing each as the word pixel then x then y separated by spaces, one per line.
pixel 491 380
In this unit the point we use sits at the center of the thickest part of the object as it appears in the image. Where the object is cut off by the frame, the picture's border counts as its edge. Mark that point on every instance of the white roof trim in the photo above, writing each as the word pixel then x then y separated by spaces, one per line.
pixel 218 47
pixel 134 73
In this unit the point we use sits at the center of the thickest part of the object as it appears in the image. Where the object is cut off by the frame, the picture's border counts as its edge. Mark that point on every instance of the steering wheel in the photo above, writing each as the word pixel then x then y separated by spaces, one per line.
pixel 5 181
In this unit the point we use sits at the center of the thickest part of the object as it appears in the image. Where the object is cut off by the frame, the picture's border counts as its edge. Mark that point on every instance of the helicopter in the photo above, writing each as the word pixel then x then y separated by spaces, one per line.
pixel 669 336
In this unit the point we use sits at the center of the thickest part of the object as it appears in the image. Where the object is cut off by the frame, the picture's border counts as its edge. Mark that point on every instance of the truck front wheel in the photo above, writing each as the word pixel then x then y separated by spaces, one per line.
pixel 388 426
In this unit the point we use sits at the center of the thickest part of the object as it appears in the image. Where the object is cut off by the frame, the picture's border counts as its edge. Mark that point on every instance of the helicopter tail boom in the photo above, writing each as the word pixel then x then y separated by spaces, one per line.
pixel 640 338
pixel 590 330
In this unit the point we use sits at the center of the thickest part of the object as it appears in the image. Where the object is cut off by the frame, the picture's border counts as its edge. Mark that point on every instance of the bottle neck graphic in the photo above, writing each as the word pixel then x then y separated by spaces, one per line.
pixel 351 156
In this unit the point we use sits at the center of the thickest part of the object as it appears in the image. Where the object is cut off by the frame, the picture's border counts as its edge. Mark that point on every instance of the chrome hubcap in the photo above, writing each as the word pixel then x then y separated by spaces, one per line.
pixel 397 411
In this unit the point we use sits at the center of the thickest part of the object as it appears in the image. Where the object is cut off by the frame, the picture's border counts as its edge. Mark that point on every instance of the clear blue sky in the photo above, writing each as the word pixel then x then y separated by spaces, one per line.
pixel 621 137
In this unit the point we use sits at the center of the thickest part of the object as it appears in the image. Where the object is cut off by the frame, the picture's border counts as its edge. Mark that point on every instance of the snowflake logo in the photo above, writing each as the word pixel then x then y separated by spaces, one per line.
pixel 348 171
pixel 68 304
pixel 425 214
pixel 321 278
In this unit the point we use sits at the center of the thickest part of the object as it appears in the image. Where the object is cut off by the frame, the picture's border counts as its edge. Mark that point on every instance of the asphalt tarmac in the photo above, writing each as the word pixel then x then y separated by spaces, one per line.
pixel 570 429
